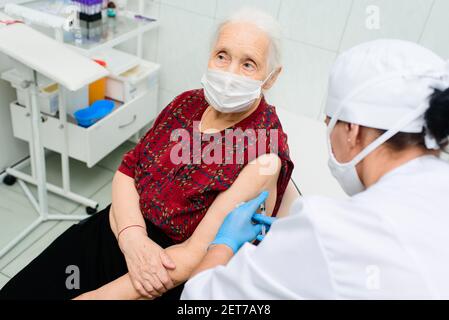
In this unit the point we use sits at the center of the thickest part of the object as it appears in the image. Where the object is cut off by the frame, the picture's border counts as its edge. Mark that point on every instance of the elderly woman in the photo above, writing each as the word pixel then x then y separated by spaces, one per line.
pixel 165 212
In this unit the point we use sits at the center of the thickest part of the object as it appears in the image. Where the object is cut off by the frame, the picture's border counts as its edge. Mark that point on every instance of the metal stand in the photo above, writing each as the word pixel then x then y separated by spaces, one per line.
pixel 38 170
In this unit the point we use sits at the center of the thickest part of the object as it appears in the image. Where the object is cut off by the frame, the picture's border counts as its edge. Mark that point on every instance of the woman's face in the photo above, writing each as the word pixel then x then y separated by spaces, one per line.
pixel 242 49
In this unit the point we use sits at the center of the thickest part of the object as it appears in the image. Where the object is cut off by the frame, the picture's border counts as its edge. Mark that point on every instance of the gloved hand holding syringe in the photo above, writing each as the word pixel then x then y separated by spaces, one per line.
pixel 245 224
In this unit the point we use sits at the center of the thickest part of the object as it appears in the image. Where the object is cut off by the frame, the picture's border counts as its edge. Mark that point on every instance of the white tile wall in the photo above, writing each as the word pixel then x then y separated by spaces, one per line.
pixel 316 22
pixel 315 31
pixel 203 7
pixel 402 19
pixel 183 48
pixel 435 34
pixel 302 85
pixel 166 96
pixel 227 7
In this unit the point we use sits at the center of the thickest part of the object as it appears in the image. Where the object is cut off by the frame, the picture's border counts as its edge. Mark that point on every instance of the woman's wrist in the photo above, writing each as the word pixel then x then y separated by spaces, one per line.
pixel 129 235
pixel 129 227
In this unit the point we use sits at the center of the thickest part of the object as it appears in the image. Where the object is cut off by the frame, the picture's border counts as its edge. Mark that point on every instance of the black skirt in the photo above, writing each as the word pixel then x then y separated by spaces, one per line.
pixel 89 250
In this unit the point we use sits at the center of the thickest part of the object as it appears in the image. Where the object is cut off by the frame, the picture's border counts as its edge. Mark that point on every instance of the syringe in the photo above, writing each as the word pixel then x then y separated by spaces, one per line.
pixel 263 211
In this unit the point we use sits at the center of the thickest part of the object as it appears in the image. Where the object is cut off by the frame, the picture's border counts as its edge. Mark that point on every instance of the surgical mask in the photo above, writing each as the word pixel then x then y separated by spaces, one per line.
pixel 346 173
pixel 230 93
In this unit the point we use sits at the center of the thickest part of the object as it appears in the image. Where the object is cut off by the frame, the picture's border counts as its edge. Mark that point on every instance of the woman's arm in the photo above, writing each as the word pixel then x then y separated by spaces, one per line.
pixel 125 210
pixel 146 261
pixel 253 179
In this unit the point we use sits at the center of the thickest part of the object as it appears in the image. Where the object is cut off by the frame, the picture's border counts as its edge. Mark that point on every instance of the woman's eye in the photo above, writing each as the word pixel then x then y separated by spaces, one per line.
pixel 249 66
pixel 221 59
pixel 221 56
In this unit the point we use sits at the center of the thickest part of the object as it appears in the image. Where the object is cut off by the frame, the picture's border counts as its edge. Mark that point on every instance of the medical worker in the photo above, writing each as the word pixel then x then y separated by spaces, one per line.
pixel 388 121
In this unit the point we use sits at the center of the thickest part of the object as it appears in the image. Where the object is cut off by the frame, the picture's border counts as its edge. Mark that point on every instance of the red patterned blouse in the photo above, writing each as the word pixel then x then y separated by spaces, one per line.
pixel 175 195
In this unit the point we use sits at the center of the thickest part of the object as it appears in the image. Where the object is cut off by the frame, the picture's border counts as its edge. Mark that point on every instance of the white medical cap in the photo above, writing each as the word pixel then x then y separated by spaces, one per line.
pixel 376 84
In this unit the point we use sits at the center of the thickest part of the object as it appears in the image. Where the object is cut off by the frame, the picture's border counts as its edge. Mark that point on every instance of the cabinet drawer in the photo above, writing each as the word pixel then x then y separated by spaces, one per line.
pixel 92 144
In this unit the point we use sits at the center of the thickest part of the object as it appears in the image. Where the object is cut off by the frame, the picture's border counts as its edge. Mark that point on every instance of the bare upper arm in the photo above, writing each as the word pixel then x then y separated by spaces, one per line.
pixel 260 175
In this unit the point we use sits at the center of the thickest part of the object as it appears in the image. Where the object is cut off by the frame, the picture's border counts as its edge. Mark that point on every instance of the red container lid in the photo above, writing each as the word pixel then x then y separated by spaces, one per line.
pixel 101 62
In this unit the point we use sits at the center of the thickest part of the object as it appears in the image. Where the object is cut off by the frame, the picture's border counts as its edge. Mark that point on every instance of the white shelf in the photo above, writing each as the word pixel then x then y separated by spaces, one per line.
pixel 92 144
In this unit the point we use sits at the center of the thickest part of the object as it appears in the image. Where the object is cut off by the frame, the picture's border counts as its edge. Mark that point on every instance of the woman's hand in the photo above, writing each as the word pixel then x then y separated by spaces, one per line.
pixel 147 263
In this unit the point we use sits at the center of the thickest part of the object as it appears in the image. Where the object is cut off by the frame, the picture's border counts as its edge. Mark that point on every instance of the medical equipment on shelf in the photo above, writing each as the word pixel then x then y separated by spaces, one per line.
pixel 29 15
pixel 90 11
pixel 47 95
pixel 112 10
pixel 130 76
pixel 34 16
pixel 97 111
pixel 97 89
pixel 43 55
pixel 133 82
pixel 89 7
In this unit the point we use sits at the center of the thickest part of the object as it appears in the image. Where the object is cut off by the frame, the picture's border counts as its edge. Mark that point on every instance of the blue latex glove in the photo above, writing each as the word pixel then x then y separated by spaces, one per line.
pixel 263 220
pixel 238 227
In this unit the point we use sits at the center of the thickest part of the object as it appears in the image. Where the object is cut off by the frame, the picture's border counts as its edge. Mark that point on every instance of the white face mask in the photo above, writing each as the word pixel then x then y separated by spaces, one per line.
pixel 346 173
pixel 230 93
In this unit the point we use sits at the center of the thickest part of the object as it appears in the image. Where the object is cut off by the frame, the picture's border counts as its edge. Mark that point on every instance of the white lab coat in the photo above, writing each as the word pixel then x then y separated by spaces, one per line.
pixel 389 242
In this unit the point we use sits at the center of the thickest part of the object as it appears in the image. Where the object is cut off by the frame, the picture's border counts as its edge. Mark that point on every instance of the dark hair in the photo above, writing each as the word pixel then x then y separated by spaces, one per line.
pixel 437 122
pixel 437 117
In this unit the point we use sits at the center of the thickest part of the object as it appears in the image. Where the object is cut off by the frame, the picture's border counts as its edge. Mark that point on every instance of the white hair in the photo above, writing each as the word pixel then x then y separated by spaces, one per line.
pixel 266 23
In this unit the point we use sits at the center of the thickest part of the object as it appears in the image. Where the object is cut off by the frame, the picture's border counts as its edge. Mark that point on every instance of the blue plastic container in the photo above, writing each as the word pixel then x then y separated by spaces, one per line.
pixel 97 111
